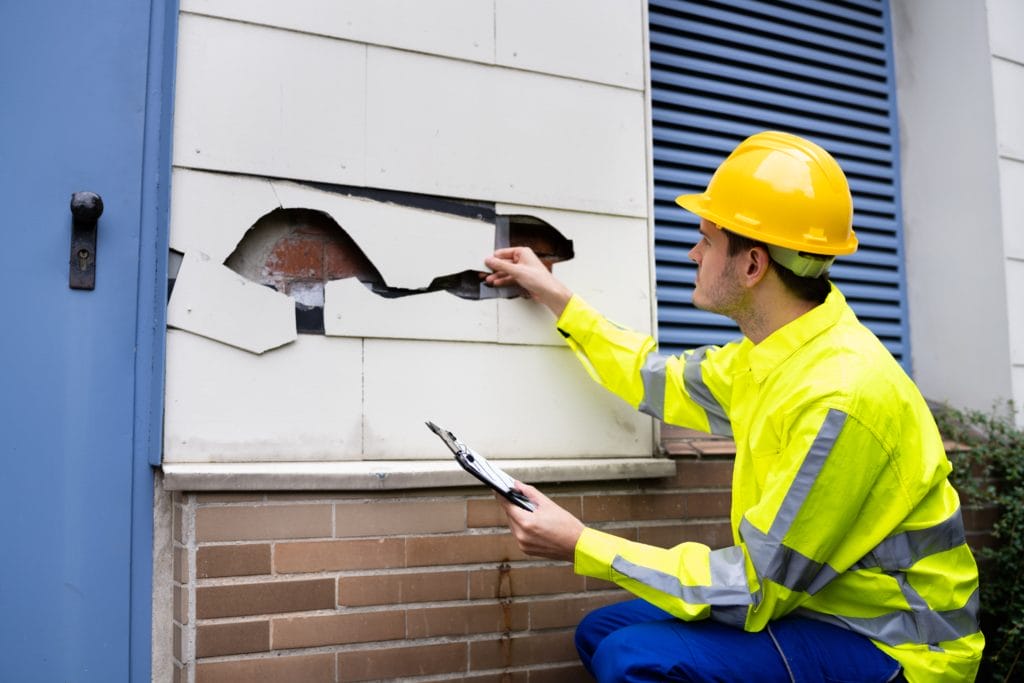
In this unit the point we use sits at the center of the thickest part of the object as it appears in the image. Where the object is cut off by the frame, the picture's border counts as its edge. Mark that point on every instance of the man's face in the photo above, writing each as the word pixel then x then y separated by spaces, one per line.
pixel 717 288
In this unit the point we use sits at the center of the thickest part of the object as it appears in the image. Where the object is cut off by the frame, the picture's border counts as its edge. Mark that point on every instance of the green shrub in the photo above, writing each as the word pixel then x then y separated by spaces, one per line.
pixel 989 473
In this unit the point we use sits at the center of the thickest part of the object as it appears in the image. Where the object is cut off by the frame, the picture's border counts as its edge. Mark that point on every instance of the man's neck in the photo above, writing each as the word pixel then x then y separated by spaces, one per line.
pixel 770 312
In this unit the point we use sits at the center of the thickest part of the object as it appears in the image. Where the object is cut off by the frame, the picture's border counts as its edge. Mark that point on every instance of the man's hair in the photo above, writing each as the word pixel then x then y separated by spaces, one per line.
pixel 813 289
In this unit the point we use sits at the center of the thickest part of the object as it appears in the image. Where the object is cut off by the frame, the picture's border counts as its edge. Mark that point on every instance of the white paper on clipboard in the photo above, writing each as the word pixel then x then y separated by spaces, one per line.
pixel 482 469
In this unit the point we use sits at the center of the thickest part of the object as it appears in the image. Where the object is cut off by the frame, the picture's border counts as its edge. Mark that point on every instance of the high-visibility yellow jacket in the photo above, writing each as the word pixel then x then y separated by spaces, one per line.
pixel 841 509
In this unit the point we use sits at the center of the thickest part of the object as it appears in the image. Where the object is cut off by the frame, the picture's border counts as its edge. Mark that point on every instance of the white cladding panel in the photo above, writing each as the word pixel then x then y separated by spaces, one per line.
pixel 1011 193
pixel 593 40
pixel 1015 293
pixel 1005 27
pixel 269 102
pixel 299 402
pixel 536 107
pixel 211 212
pixel 468 130
pixel 1008 87
pixel 456 28
pixel 610 270
pixel 352 310
pixel 504 401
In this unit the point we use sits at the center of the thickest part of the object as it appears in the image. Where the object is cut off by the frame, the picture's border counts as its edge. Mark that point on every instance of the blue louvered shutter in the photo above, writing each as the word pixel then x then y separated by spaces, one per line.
pixel 721 71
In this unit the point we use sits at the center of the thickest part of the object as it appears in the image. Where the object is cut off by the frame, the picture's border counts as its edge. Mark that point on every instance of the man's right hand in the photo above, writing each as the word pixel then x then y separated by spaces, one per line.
pixel 520 266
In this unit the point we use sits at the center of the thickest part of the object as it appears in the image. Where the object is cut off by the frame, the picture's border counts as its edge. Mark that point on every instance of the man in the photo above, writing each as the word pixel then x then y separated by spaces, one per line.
pixel 849 561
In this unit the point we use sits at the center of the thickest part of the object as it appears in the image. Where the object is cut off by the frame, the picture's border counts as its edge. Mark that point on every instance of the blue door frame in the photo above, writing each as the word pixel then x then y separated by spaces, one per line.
pixel 87 96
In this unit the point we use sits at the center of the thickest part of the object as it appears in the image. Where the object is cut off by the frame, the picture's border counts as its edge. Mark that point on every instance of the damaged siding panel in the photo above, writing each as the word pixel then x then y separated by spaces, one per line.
pixel 269 102
pixel 211 300
pixel 211 212
pixel 410 247
pixel 455 28
pixel 506 401
pixel 503 135
pixel 299 402
pixel 352 310
pixel 611 271
pixel 593 40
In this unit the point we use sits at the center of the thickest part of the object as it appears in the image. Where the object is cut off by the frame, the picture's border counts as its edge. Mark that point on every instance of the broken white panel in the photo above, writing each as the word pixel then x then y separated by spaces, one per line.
pixel 505 401
pixel 410 247
pixel 611 270
pixel 299 402
pixel 460 129
pixel 211 212
pixel 352 310
pixel 211 300
pixel 594 40
pixel 456 28
pixel 269 102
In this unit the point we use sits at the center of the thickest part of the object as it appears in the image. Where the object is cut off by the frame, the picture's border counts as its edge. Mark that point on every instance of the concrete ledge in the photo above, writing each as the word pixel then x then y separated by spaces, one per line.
pixel 389 475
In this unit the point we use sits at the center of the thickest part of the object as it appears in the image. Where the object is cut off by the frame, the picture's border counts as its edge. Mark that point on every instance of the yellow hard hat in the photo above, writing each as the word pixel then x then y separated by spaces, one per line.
pixel 782 190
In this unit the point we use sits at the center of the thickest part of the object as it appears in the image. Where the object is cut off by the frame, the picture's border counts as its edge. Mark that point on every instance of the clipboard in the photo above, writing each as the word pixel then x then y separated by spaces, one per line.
pixel 479 467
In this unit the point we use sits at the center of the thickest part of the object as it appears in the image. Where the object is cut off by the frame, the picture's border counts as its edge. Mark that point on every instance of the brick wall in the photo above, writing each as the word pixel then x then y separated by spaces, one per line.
pixel 424 585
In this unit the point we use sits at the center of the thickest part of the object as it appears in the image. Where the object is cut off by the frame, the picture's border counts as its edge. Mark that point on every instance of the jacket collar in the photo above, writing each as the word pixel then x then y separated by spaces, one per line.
pixel 783 342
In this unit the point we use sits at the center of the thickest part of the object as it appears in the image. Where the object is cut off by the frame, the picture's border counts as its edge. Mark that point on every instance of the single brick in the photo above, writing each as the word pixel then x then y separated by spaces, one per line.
pixel 541 648
pixel 559 674
pixel 632 507
pixel 243 637
pixel 387 589
pixel 297 256
pixel 458 549
pixel 485 512
pixel 180 597
pixel 693 474
pixel 714 534
pixel 701 504
pixel 232 560
pixel 509 677
pixel 406 517
pixel 263 598
pixel 513 581
pixel 318 668
pixel 316 556
pixel 396 662
pixel 176 641
pixel 257 523
pixel 180 570
pixel 338 629
pixel 566 612
pixel 431 622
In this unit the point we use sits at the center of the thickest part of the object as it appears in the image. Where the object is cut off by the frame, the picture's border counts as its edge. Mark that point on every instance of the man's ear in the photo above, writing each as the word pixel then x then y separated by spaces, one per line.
pixel 758 265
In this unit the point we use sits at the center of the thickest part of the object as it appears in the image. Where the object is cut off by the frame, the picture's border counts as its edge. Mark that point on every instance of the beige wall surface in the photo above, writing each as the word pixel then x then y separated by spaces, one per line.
pixel 950 113
pixel 458 100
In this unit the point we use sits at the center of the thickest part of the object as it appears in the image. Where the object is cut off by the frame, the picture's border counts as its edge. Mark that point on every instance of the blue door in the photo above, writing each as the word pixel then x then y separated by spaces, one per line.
pixel 84 106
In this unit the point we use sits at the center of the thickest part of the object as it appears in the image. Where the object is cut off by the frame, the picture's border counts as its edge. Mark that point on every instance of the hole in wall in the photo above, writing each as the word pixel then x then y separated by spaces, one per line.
pixel 297 251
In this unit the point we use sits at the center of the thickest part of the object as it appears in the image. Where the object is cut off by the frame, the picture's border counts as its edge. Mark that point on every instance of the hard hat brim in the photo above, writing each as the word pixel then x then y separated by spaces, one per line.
pixel 699 204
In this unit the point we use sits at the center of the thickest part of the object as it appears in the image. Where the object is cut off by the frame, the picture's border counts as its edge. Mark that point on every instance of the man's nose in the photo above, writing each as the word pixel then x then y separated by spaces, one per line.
pixel 692 255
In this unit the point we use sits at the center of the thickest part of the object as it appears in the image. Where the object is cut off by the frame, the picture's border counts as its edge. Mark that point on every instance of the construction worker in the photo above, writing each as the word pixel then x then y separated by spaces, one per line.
pixel 848 561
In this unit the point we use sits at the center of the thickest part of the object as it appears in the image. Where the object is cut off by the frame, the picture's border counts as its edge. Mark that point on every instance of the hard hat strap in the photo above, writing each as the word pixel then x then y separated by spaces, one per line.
pixel 801 263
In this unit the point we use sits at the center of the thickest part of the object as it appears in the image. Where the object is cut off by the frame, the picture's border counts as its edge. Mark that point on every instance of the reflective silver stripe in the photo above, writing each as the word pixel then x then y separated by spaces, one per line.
pixel 771 557
pixel 903 550
pixel 693 380
pixel 719 594
pixel 921 625
pixel 653 376
pixel 733 615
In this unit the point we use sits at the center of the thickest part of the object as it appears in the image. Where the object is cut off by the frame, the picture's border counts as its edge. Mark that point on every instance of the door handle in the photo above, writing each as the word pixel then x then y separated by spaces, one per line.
pixel 86 208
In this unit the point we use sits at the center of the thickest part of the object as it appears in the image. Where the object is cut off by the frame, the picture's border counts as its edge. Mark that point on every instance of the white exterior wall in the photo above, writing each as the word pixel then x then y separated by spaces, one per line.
pixel 1006 30
pixel 959 97
pixel 538 107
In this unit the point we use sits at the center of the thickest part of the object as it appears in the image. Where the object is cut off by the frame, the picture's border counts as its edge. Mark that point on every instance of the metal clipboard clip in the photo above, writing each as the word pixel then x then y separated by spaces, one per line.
pixel 479 467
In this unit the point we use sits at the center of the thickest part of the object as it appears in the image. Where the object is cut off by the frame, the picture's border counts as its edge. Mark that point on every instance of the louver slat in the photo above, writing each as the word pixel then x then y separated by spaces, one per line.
pixel 721 71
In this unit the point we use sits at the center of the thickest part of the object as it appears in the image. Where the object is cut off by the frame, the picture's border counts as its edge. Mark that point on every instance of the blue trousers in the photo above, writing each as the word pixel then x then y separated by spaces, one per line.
pixel 636 641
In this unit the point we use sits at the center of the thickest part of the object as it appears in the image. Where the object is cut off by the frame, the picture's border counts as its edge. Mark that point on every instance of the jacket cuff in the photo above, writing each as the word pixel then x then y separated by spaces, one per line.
pixel 577 319
pixel 595 551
